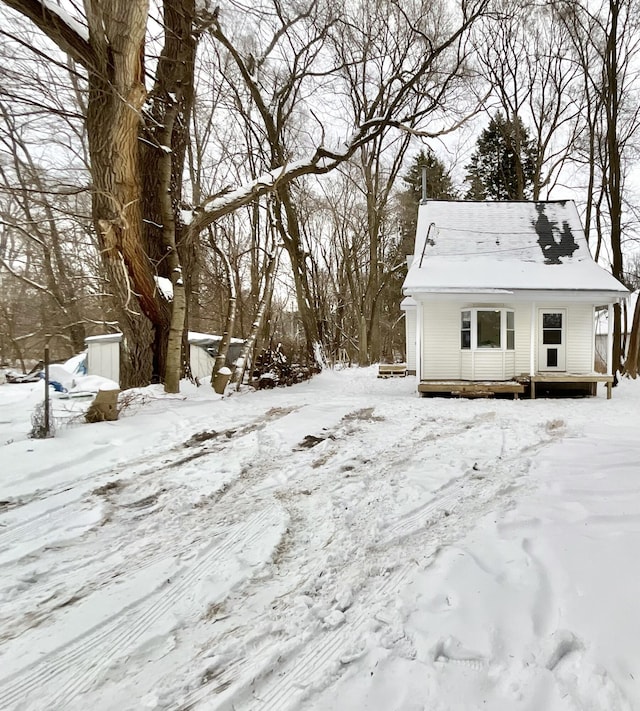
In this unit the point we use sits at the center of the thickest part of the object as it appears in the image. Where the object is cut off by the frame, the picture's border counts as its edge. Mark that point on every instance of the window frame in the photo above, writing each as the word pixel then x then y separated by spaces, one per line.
pixel 507 333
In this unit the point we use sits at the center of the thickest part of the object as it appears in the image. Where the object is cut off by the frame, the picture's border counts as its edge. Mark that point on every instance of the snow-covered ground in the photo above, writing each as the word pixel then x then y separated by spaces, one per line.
pixel 342 544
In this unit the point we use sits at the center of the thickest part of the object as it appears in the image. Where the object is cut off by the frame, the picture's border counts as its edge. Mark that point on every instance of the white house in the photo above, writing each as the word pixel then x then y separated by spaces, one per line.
pixel 501 296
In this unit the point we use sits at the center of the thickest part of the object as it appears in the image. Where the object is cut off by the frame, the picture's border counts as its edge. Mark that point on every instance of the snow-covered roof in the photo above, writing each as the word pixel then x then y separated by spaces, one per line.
pixel 194 337
pixel 206 339
pixel 105 338
pixel 503 247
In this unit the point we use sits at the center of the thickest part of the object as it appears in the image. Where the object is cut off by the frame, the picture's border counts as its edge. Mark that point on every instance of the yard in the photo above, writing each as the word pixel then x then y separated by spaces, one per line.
pixel 340 544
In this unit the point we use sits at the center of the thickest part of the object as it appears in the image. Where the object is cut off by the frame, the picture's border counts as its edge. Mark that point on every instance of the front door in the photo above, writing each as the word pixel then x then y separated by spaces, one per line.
pixel 551 339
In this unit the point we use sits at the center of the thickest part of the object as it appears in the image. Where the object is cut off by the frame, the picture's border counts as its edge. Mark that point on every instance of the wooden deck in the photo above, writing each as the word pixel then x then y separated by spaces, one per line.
pixel 516 387
pixel 469 388
pixel 570 379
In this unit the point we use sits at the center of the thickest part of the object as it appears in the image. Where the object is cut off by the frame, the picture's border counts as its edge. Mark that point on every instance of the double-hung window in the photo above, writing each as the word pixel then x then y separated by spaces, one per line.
pixel 482 328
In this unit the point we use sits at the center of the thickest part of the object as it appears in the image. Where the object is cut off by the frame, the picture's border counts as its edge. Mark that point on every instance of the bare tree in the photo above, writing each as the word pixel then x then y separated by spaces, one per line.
pixel 606 42
pixel 524 57
pixel 138 135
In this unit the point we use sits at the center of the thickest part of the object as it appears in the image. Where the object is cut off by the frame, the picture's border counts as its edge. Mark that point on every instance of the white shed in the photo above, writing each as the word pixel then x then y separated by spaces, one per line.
pixel 505 294
pixel 103 355
pixel 203 348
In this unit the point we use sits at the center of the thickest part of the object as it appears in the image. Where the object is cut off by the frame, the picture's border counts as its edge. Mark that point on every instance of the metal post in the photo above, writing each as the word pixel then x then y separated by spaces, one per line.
pixel 46 391
pixel 424 183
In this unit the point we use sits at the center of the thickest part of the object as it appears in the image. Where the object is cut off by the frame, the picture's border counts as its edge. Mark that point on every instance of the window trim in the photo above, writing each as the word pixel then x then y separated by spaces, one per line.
pixel 504 331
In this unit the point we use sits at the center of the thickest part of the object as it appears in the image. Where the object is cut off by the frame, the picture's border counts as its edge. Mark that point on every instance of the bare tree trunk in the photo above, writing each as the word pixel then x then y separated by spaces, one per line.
pixel 269 280
pixel 223 348
pixel 179 306
pixel 632 362
pixel 292 240
pixel 116 96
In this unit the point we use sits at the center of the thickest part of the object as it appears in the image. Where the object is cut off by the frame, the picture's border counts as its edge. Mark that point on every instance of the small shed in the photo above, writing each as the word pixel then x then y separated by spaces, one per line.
pixel 103 355
pixel 203 349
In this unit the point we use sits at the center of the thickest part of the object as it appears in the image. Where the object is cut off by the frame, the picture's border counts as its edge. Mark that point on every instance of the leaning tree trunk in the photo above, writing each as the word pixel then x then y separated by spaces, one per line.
pixel 292 240
pixel 223 348
pixel 269 280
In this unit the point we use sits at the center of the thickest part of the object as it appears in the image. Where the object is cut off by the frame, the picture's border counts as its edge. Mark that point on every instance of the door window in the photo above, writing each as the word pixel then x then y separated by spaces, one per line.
pixel 551 329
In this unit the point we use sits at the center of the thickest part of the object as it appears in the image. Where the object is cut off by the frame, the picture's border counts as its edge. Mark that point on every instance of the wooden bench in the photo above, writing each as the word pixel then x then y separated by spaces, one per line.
pixel 392 370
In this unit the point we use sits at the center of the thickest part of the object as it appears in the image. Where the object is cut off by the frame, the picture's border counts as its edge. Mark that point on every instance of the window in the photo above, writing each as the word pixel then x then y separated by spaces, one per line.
pixel 511 334
pixel 487 328
pixel 551 329
pixel 465 330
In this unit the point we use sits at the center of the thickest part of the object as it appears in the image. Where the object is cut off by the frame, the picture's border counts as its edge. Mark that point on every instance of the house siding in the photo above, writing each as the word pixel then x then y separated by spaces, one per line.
pixel 410 334
pixel 487 365
pixel 522 353
pixel 442 357
pixel 580 338
pixel 441 341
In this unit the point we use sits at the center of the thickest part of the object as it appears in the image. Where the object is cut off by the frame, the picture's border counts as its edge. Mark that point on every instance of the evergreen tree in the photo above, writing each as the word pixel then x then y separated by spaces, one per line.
pixel 439 187
pixel 503 165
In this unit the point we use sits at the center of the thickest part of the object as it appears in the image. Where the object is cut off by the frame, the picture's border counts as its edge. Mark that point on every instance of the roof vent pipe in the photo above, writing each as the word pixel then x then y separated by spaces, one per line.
pixel 424 183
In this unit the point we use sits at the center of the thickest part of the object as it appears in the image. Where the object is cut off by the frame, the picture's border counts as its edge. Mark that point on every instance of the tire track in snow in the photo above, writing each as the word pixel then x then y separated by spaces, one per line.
pixel 290 680
pixel 156 462
pixel 51 519
pixel 71 669
pixel 323 652
pixel 33 527
pixel 455 505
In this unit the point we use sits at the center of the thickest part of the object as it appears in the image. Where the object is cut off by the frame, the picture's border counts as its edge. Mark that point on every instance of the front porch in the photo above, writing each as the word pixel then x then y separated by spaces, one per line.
pixel 559 383
pixel 569 381
pixel 471 388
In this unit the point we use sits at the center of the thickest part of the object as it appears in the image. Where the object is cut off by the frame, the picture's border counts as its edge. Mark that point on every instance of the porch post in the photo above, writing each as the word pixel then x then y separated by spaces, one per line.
pixel 532 345
pixel 610 340
pixel 419 329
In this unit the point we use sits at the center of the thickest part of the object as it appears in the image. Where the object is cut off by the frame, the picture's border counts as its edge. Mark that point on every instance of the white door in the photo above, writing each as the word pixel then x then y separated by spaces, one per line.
pixel 552 324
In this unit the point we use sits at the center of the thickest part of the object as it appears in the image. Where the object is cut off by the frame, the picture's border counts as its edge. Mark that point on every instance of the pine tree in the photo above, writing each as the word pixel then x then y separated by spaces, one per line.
pixel 439 187
pixel 503 165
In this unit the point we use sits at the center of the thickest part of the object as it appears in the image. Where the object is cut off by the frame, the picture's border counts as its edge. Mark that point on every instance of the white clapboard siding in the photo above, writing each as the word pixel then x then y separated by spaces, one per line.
pixel 444 359
pixel 580 338
pixel 489 364
pixel 466 365
pixel 410 333
pixel 441 341
pixel 522 323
